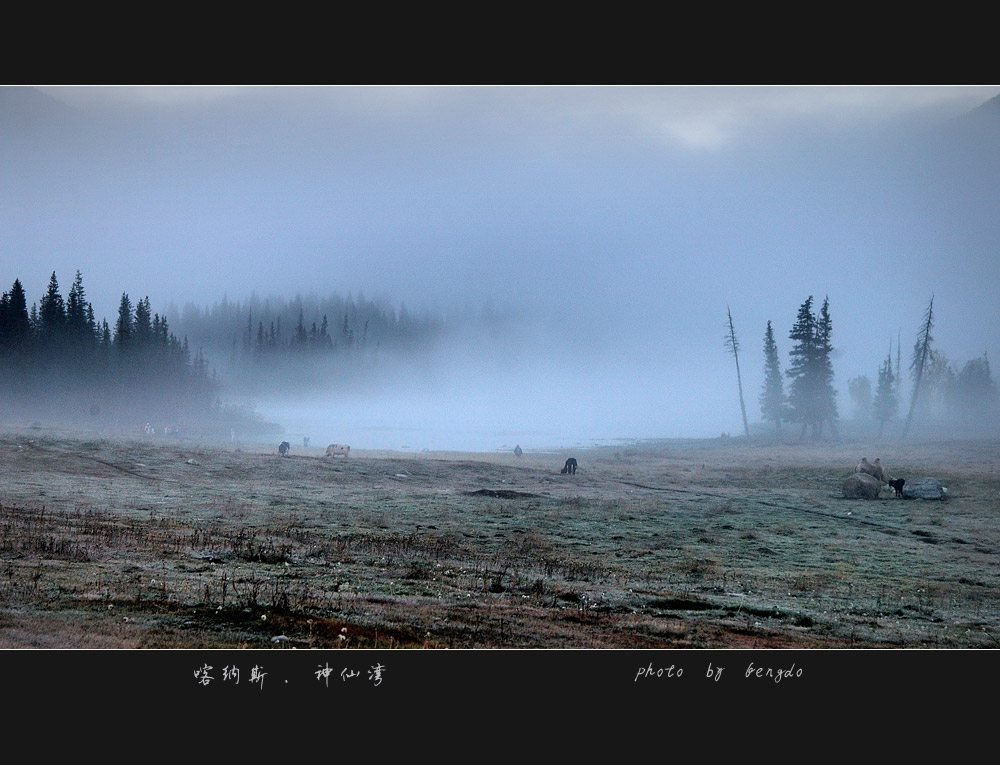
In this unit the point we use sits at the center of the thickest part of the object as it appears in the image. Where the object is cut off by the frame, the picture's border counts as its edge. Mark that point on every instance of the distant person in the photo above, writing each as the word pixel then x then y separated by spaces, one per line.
pixel 305 441
pixel 517 450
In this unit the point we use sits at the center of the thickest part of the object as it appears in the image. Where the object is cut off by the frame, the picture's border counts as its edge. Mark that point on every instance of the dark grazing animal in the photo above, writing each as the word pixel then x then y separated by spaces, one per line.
pixel 283 448
pixel 570 466
pixel 897 486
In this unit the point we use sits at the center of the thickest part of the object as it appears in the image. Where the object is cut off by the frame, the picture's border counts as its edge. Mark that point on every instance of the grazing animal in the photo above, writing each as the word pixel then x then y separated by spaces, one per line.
pixel 570 466
pixel 517 450
pixel 880 472
pixel 283 448
pixel 873 469
pixel 897 486
pixel 338 449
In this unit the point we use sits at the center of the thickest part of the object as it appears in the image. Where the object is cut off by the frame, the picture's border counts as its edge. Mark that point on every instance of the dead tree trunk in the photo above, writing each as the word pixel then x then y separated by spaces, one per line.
pixel 734 347
pixel 920 353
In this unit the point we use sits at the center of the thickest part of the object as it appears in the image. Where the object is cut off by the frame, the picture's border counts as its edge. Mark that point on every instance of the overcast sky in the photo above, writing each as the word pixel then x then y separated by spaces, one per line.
pixel 622 220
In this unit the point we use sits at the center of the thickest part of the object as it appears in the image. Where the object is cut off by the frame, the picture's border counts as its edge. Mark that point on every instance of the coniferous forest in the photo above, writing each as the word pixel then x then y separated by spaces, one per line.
pixel 58 362
pixel 267 344
pixel 946 398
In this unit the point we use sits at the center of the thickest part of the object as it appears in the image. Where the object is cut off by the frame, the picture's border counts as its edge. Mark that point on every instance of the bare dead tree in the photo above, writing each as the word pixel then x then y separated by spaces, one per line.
pixel 921 352
pixel 733 344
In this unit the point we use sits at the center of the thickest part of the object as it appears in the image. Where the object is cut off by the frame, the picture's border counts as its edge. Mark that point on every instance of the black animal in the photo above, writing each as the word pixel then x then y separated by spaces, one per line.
pixel 570 466
pixel 518 451
pixel 283 448
pixel 897 486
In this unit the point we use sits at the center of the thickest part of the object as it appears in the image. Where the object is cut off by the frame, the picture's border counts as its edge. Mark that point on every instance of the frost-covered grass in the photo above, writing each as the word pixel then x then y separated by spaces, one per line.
pixel 715 543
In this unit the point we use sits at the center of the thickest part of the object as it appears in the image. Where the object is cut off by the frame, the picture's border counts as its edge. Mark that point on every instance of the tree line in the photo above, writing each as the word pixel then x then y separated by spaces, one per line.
pixel 57 360
pixel 266 344
pixel 266 328
pixel 940 393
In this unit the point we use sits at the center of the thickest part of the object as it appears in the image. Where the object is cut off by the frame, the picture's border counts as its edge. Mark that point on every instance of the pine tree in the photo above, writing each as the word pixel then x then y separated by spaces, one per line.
pixel 772 397
pixel 92 322
pixel 811 396
pixel 76 310
pixel 828 394
pixel 300 337
pixel 142 325
pixel 975 392
pixel 937 389
pixel 346 333
pixel 860 390
pixel 52 313
pixel 123 326
pixel 16 322
pixel 885 405
pixel 324 333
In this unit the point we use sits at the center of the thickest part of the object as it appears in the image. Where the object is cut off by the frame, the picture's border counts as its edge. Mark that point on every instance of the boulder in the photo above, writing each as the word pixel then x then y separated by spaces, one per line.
pixel 861 486
pixel 924 488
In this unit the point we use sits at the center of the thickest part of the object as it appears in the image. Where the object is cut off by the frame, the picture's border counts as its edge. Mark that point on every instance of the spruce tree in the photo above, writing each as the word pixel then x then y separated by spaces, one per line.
pixel 346 333
pixel 811 396
pixel 772 397
pixel 975 392
pixel 52 313
pixel 142 325
pixel 123 326
pixel 300 337
pixel 324 333
pixel 17 323
pixel 92 322
pixel 76 309
pixel 885 405
pixel 801 362
pixel 860 390
pixel 824 347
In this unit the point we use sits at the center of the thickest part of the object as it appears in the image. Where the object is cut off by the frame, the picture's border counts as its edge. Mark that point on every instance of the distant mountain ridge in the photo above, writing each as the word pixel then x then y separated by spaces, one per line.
pixel 991 108
pixel 25 111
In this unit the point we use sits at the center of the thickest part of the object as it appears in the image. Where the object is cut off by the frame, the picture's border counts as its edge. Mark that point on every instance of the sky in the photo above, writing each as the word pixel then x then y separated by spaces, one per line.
pixel 619 223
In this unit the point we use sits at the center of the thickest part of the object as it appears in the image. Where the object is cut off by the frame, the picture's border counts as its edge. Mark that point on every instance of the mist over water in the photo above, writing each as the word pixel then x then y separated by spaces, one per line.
pixel 540 394
pixel 482 413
